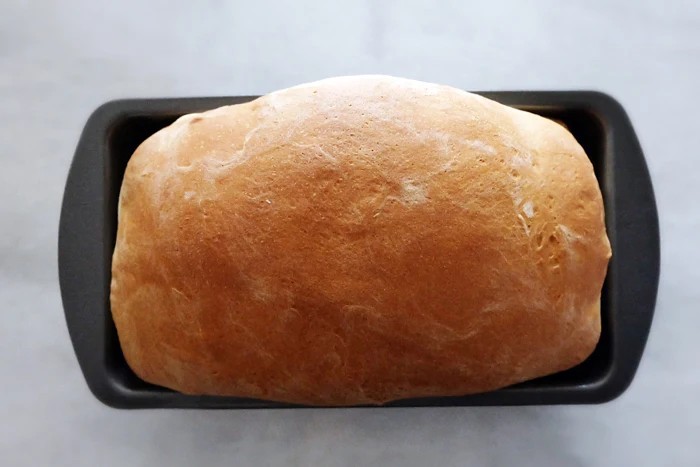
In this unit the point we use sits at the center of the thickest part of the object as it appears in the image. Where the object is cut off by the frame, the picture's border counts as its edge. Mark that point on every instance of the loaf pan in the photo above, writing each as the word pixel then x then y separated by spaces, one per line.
pixel 89 223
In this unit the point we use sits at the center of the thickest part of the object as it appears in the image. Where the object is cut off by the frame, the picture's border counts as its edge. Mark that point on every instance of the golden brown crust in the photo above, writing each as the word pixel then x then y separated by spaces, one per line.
pixel 358 240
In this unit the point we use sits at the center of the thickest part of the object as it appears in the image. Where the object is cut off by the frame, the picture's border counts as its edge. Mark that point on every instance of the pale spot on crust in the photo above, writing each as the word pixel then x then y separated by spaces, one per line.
pixel 170 137
pixel 524 222
pixel 180 293
pixel 478 144
pixel 517 199
pixel 568 234
pixel 528 209
pixel 521 160
pixel 493 306
pixel 412 193
pixel 448 165
pixel 260 289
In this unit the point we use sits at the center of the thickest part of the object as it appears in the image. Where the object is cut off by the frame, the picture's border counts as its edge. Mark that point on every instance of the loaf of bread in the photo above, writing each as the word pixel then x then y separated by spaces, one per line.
pixel 358 240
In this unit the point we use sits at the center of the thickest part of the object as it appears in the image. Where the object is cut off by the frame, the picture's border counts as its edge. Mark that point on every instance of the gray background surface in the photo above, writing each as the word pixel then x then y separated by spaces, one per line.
pixel 59 60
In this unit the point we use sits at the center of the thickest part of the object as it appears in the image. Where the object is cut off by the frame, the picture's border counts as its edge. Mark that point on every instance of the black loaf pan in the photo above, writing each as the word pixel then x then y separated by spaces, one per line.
pixel 89 223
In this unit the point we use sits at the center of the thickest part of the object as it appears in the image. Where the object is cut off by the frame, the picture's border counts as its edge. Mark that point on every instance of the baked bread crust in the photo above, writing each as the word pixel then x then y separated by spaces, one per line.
pixel 358 240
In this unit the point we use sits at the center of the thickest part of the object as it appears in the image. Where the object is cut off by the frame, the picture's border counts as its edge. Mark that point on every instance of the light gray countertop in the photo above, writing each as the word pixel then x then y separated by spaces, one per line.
pixel 59 60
